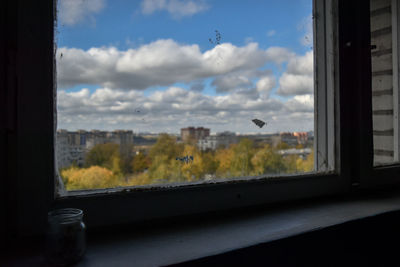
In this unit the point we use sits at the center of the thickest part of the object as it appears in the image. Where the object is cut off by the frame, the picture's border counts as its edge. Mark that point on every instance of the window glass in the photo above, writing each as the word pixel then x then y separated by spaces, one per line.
pixel 172 91
pixel 385 96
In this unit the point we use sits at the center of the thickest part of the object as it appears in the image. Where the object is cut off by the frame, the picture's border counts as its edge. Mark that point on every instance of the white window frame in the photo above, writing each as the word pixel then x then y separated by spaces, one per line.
pixel 326 86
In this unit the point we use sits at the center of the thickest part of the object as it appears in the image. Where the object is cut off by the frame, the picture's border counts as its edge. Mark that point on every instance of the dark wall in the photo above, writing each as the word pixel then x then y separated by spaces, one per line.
pixel 8 41
pixel 26 135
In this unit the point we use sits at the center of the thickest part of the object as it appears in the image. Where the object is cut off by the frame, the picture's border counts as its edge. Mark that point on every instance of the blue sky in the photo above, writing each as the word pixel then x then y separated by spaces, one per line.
pixel 116 55
pixel 121 21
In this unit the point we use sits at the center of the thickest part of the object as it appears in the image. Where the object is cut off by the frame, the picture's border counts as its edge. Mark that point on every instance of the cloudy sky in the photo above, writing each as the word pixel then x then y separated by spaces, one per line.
pixel 160 65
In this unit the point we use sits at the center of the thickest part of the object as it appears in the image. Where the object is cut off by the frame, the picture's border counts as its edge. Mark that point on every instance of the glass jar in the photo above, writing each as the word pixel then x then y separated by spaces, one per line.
pixel 66 240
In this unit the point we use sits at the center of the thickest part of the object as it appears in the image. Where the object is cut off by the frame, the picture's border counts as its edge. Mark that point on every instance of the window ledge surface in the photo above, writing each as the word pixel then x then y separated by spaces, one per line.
pixel 202 239
pixel 182 241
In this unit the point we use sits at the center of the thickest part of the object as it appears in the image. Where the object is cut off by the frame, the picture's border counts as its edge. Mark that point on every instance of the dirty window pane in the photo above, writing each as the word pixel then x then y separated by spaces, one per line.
pixel 153 92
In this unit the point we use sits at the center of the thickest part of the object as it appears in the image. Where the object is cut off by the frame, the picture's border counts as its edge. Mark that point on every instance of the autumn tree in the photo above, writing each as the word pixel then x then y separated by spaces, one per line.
pixel 282 145
pixel 115 157
pixel 166 145
pixel 140 162
pixel 291 162
pixel 163 154
pixel 93 177
pixel 299 146
pixel 126 154
pixel 267 161
pixel 224 157
pixel 102 155
pixel 140 179
pixel 192 169
pixel 242 153
pixel 210 162
pixel 306 165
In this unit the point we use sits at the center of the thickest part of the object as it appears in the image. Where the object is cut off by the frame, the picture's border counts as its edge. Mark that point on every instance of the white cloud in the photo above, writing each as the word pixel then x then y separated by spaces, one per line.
pixel 298 78
pixel 72 12
pixel 301 103
pixel 161 63
pixel 279 54
pixel 303 65
pixel 265 84
pixel 237 72
pixel 175 108
pixel 176 8
pixel 292 84
pixel 197 86
pixel 232 82
pixel 238 80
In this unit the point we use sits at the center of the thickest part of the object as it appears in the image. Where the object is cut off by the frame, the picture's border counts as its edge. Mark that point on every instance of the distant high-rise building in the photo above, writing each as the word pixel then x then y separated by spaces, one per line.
pixel 294 138
pixel 71 146
pixel 221 139
pixel 194 134
pixel 302 137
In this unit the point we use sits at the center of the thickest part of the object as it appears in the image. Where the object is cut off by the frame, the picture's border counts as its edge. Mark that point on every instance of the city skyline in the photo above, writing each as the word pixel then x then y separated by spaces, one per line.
pixel 179 131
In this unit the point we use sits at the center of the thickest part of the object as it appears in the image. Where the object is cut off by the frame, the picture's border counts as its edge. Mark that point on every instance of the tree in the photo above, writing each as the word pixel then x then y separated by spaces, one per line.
pixel 102 155
pixel 139 179
pixel 242 153
pixel 282 145
pixel 267 161
pixel 193 169
pixel 115 157
pixel 299 146
pixel 224 157
pixel 306 165
pixel 93 177
pixel 209 162
pixel 163 169
pixel 126 153
pixel 166 145
pixel 140 163
pixel 163 154
pixel 116 165
pixel 291 163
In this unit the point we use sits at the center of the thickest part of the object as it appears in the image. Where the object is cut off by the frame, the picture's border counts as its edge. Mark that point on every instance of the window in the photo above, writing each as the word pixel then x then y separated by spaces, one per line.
pixel 247 88
pixel 385 87
pixel 343 112
pixel 325 161
pixel 385 99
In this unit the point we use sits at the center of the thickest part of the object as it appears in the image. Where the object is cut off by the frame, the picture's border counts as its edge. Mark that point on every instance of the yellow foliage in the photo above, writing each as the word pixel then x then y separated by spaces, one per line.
pixel 225 158
pixel 164 166
pixel 140 179
pixel 267 161
pixel 306 165
pixel 116 165
pixel 161 164
pixel 140 163
pixel 193 170
pixel 241 162
pixel 291 163
pixel 93 177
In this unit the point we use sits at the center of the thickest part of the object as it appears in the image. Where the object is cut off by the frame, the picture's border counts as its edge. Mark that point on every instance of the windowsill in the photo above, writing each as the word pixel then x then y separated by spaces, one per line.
pixel 189 241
